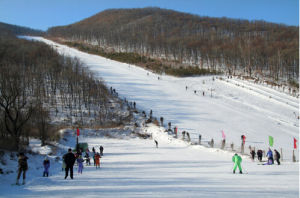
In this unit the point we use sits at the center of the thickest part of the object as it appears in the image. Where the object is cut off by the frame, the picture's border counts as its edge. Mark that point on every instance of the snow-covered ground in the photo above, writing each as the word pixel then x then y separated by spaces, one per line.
pixel 235 106
pixel 133 167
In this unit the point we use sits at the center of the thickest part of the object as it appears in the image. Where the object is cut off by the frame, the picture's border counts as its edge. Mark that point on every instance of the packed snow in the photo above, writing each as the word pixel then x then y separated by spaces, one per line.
pixel 133 167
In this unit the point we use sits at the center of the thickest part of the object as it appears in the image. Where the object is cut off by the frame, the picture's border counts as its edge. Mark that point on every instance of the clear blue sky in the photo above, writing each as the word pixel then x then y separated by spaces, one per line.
pixel 42 14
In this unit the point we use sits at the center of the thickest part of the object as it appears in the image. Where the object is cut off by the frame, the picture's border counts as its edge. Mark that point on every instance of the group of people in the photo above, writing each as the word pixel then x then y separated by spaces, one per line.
pixel 237 160
pixel 70 158
pixel 23 167
pixel 269 155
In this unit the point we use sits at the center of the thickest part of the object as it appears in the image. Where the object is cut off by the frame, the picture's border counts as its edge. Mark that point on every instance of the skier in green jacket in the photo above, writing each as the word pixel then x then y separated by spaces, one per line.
pixel 237 162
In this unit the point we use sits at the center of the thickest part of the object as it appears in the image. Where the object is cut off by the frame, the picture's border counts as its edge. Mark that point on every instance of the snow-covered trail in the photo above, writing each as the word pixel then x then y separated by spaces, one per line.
pixel 135 168
pixel 248 109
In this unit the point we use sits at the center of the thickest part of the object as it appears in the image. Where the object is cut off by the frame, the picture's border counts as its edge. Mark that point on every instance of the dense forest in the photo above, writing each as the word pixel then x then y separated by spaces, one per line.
pixel 179 40
pixel 41 91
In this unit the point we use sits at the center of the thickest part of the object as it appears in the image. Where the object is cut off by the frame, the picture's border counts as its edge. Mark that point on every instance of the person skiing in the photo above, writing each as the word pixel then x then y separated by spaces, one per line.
pixel 94 154
pixel 237 160
pixel 87 157
pixel 156 143
pixel 80 164
pixel 259 155
pixel 69 159
pixel 46 164
pixel 270 156
pixel 277 156
pixel 97 160
pixel 101 150
pixel 252 154
pixel 22 167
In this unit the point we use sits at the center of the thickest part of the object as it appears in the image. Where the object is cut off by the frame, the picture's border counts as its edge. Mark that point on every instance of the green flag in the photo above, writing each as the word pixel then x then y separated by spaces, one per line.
pixel 271 140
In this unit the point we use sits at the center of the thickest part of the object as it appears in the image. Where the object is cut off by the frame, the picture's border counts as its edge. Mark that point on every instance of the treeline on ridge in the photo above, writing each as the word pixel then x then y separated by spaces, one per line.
pixel 179 40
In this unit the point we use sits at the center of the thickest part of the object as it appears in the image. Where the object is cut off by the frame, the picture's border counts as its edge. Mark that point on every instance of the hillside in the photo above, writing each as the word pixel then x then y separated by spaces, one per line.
pixel 179 40
pixel 41 91
pixel 13 30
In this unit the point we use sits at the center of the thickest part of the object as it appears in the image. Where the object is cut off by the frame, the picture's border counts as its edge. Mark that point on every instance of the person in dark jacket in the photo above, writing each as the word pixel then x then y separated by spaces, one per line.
pixel 252 154
pixel 156 143
pixel 101 150
pixel 277 156
pixel 22 167
pixel 46 164
pixel 69 159
pixel 259 155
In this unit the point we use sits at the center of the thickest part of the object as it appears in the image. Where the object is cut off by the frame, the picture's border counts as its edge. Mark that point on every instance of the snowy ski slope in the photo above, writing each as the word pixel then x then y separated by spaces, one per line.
pixel 133 167
pixel 238 107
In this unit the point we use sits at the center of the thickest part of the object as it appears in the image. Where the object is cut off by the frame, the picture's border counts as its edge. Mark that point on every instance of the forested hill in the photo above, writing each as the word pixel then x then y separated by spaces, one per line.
pixel 12 30
pixel 180 39
pixel 42 91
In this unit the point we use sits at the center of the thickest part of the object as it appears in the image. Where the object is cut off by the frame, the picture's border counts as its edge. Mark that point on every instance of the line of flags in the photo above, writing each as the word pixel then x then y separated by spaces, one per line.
pixel 271 140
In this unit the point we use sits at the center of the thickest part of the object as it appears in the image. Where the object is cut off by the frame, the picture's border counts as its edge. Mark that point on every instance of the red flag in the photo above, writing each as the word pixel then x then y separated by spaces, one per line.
pixel 295 143
pixel 78 132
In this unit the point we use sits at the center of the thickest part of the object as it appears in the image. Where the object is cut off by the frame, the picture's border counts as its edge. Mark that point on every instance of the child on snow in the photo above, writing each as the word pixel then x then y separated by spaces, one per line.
pixel 80 164
pixel 97 160
pixel 46 164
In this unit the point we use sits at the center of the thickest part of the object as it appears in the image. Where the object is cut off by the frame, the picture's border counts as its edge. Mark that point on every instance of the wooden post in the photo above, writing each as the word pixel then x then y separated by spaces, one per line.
pixel 223 144
pixel 199 139
pixel 242 148
pixel 294 157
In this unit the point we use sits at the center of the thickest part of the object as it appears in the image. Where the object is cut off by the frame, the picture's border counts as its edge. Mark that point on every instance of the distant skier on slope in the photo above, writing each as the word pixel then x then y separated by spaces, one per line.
pixel 252 154
pixel 87 157
pixel 259 155
pixel 156 143
pixel 270 156
pixel 237 160
pixel 46 165
pixel 101 150
pixel 94 154
pixel 277 156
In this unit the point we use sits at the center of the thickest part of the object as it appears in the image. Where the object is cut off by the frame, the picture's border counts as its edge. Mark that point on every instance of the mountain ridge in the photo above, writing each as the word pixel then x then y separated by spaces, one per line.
pixel 234 46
